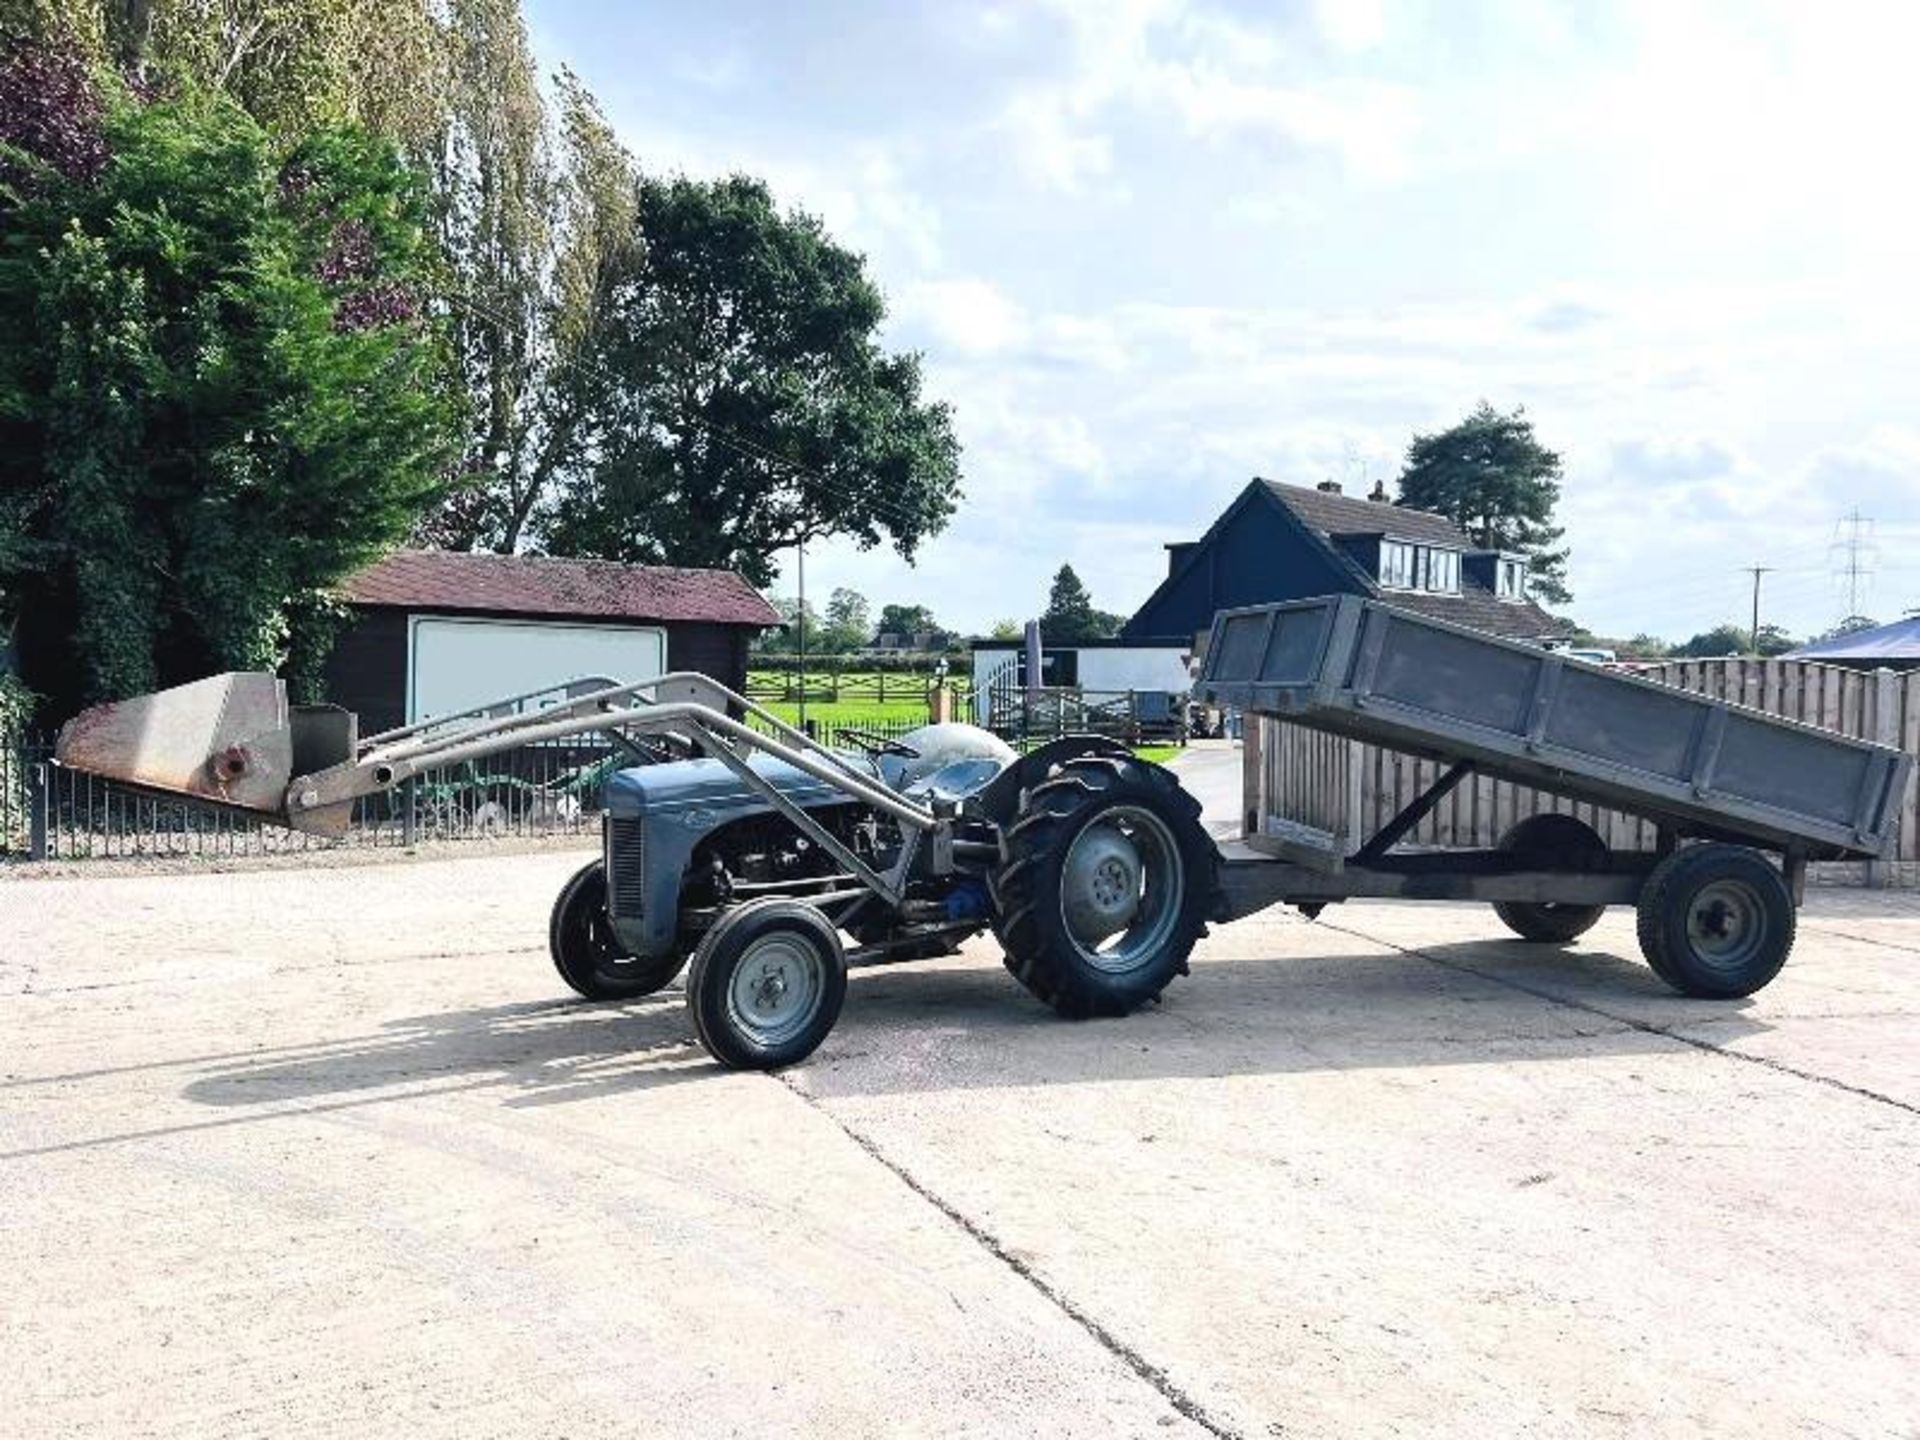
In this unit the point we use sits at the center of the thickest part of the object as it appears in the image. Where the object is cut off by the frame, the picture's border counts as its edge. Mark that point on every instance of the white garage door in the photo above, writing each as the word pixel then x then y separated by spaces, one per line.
pixel 456 665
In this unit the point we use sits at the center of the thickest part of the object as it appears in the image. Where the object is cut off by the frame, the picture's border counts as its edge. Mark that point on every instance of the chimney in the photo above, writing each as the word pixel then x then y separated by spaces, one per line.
pixel 1379 492
pixel 1328 487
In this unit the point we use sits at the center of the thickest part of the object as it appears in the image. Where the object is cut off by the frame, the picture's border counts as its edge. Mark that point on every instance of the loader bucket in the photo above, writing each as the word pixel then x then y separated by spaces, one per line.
pixel 229 741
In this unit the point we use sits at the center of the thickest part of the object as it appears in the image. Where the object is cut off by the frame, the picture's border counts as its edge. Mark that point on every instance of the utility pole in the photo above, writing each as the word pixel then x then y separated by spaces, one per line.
pixel 800 621
pixel 1753 642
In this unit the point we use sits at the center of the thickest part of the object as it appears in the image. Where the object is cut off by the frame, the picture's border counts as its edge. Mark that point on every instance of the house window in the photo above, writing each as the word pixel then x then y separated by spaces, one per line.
pixel 1396 565
pixel 1513 580
pixel 1441 571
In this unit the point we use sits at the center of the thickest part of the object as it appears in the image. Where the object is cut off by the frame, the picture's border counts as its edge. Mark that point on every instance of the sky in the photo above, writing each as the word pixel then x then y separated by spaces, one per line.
pixel 1151 248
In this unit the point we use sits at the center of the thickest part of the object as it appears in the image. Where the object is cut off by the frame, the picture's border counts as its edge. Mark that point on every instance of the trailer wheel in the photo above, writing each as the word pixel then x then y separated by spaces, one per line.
pixel 1557 842
pixel 585 952
pixel 767 984
pixel 1108 884
pixel 1716 921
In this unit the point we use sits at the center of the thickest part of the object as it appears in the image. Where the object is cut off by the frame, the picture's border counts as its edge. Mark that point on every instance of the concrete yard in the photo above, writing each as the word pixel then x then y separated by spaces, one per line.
pixel 329 1152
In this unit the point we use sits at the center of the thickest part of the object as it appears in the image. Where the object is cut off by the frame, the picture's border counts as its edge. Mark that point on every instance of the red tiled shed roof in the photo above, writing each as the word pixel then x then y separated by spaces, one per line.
pixel 541 585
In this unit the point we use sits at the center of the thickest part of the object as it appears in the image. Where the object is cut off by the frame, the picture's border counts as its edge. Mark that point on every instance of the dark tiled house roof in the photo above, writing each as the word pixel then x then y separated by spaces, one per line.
pixel 1328 514
pixel 1332 514
pixel 539 585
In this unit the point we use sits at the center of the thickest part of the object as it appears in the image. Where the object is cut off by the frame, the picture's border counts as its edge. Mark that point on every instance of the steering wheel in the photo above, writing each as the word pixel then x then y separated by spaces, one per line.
pixel 878 744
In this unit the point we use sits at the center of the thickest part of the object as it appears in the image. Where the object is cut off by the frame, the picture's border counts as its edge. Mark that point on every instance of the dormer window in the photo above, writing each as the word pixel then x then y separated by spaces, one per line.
pixel 1419 567
pixel 1513 580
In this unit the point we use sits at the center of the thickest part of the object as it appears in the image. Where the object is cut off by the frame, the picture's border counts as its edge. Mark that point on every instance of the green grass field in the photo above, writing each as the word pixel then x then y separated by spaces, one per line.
pixel 852 713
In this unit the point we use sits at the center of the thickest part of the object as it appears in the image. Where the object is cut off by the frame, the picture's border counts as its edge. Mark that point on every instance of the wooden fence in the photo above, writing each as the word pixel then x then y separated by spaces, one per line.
pixel 839 686
pixel 1304 778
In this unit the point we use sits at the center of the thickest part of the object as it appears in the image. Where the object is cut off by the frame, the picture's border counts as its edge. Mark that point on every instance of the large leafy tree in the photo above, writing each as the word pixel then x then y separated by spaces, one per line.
pixel 1491 476
pixel 740 402
pixel 218 390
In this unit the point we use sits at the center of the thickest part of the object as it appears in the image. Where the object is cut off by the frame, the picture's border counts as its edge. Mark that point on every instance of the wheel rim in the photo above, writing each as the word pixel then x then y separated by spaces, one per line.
pixel 777 989
pixel 1122 884
pixel 1726 924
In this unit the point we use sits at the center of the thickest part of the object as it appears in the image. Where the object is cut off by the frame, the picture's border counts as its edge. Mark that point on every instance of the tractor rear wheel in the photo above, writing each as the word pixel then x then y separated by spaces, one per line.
pixel 586 952
pixel 1108 884
pixel 1552 842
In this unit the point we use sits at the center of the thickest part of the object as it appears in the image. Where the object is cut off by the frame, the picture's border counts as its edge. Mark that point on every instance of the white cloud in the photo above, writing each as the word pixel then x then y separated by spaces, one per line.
pixel 1351 25
pixel 972 316
pixel 1151 248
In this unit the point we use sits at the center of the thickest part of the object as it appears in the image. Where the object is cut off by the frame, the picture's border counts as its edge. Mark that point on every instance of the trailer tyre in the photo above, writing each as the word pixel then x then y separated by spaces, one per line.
pixel 1716 921
pixel 1555 842
pixel 767 983
pixel 1109 881
pixel 586 953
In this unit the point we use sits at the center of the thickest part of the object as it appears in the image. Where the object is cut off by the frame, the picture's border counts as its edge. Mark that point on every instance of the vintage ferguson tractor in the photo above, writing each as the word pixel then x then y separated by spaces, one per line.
pixel 750 864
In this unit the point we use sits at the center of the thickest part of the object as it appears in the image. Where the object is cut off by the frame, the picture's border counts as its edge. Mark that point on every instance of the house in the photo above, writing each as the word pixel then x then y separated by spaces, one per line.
pixel 435 632
pixel 1291 542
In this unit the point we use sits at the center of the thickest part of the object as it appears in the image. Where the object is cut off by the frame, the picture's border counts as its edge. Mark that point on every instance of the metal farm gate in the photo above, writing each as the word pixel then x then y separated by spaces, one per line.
pixel 1345 787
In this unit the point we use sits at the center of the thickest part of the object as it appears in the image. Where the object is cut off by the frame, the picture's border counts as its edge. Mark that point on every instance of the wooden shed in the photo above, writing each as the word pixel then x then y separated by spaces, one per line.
pixel 438 631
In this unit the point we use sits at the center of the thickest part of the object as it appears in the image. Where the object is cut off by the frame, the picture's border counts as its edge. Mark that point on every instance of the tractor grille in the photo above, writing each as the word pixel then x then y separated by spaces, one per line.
pixel 626 867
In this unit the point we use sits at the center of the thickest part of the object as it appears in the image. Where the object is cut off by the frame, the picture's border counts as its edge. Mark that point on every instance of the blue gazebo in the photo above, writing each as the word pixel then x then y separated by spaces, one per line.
pixel 1895 646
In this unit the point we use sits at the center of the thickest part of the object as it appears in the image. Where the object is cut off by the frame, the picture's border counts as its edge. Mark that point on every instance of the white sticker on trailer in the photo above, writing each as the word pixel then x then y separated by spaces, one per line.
pixel 457 665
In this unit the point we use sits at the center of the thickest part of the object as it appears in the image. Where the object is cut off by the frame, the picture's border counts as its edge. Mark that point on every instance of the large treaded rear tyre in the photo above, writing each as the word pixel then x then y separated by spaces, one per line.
pixel 1105 837
pixel 581 940
pixel 1716 921
pixel 1554 842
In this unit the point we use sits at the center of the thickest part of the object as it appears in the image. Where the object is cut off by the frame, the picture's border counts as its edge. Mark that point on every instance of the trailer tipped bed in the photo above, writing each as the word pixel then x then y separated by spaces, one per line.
pixel 1715 917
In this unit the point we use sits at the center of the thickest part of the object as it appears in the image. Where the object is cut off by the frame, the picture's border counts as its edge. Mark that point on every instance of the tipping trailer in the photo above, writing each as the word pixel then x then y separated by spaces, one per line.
pixel 1741 801
pixel 770 864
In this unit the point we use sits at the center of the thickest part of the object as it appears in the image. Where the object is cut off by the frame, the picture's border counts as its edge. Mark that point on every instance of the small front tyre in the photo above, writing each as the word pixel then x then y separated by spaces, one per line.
pixel 1716 921
pixel 767 984
pixel 589 958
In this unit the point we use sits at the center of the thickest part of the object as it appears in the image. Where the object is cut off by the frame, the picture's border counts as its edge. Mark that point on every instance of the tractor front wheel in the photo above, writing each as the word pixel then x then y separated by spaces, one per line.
pixel 767 984
pixel 588 955
pixel 1107 886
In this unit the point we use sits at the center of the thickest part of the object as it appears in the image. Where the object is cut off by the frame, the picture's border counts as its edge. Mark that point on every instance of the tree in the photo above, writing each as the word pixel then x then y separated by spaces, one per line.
pixel 849 624
pixel 786 639
pixel 1852 625
pixel 1724 640
pixel 741 403
pixel 218 390
pixel 1006 630
pixel 537 216
pixel 1496 481
pixel 906 621
pixel 1070 615
pixel 293 65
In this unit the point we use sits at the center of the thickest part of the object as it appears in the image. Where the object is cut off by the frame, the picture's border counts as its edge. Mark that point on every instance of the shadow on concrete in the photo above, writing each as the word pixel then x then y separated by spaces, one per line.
pixel 942 1025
